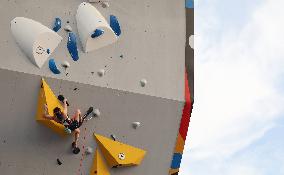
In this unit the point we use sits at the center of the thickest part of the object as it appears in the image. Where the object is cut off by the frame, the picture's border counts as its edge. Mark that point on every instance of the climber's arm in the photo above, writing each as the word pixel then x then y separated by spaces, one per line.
pixel 46 115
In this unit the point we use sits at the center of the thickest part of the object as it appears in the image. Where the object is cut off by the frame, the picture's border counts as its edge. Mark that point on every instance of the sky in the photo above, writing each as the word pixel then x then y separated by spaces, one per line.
pixel 237 124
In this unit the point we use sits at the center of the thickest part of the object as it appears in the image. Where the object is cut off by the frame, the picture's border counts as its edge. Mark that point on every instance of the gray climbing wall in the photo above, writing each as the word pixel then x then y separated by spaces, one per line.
pixel 152 46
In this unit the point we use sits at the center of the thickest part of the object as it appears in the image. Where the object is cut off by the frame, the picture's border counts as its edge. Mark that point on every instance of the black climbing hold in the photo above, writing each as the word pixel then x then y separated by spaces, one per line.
pixel 113 137
pixel 75 89
pixel 121 56
pixel 76 150
pixel 59 162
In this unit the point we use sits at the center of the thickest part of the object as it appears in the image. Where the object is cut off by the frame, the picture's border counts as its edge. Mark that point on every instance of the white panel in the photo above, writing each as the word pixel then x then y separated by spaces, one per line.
pixel 88 20
pixel 36 40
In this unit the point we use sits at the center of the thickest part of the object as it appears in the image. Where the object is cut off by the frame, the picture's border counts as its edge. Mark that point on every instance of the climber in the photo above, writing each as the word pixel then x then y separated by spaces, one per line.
pixel 62 117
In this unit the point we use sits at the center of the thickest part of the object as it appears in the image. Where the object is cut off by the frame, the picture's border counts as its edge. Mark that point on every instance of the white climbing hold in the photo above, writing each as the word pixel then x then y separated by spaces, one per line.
pixel 136 125
pixel 36 40
pixel 65 64
pixel 68 28
pixel 143 82
pixel 96 112
pixel 101 72
pixel 89 19
pixel 89 150
pixel 191 41
pixel 105 4
pixel 121 156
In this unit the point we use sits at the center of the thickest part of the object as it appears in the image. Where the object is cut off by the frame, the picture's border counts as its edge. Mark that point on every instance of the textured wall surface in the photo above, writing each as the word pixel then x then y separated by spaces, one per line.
pixel 30 148
pixel 152 44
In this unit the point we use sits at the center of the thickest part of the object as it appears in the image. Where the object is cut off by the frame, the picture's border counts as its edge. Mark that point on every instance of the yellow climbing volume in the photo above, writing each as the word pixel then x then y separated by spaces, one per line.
pixel 46 96
pixel 99 167
pixel 119 154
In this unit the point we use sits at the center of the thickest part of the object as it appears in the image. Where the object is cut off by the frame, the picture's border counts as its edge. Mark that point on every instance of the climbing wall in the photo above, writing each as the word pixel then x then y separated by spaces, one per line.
pixel 139 78
pixel 31 148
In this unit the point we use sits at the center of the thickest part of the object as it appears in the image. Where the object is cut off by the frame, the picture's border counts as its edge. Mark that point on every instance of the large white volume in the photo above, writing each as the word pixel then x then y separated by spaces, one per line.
pixel 89 19
pixel 36 40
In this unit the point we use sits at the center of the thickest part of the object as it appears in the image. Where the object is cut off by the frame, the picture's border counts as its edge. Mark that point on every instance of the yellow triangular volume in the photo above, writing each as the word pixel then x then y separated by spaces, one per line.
pixel 119 154
pixel 99 167
pixel 46 96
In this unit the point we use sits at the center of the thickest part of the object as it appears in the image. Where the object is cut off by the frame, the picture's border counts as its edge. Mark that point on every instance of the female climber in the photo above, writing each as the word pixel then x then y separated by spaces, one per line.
pixel 71 125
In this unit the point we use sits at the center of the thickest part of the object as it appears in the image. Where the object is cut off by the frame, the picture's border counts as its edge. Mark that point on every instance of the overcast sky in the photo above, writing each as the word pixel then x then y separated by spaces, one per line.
pixel 237 125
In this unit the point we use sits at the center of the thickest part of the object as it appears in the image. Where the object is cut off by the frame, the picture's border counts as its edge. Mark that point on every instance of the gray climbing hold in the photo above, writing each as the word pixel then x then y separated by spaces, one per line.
pixel 105 4
pixel 68 28
pixel 96 112
pixel 101 72
pixel 136 125
pixel 89 150
pixel 143 82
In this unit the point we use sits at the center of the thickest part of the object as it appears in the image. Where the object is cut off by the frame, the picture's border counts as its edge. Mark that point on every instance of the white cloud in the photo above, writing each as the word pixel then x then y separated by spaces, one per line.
pixel 236 98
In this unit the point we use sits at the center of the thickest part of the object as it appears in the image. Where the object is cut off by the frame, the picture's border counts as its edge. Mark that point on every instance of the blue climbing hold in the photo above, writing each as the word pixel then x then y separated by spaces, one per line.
pixel 189 4
pixel 72 46
pixel 114 24
pixel 53 67
pixel 57 25
pixel 48 51
pixel 176 161
pixel 97 33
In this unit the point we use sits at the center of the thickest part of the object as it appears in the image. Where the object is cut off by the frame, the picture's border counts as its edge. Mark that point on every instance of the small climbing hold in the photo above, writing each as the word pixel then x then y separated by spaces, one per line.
pixel 53 67
pixel 121 56
pixel 101 72
pixel 65 64
pixel 105 4
pixel 48 51
pixel 113 137
pixel 75 89
pixel 59 162
pixel 96 112
pixel 143 82
pixel 191 41
pixel 97 33
pixel 89 150
pixel 114 24
pixel 136 125
pixel 57 25
pixel 68 28
pixel 121 156
pixel 72 46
